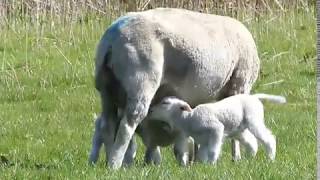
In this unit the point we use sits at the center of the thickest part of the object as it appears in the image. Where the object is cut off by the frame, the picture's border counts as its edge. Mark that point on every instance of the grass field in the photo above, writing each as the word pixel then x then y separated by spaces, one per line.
pixel 47 102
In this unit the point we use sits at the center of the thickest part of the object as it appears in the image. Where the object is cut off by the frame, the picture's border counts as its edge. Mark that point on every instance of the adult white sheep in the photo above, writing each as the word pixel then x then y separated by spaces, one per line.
pixel 145 56
pixel 210 123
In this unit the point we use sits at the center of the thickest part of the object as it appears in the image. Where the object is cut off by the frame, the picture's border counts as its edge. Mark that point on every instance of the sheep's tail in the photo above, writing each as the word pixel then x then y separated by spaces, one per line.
pixel 271 98
pixel 103 55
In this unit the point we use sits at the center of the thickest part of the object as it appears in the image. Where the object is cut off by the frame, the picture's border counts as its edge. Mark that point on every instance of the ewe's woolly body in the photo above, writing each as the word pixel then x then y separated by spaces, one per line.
pixel 208 49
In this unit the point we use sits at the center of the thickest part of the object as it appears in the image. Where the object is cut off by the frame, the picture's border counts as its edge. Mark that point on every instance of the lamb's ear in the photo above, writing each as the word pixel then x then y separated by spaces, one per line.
pixel 186 107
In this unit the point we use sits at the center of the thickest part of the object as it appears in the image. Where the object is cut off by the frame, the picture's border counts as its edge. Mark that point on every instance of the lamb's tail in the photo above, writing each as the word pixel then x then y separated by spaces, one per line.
pixel 271 98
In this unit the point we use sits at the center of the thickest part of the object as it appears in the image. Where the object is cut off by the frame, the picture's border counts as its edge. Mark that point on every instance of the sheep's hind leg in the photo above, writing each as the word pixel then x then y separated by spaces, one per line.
pixel 130 153
pixel 107 120
pixel 265 136
pixel 138 102
pixel 247 139
pixel 97 142
pixel 140 83
pixel 136 111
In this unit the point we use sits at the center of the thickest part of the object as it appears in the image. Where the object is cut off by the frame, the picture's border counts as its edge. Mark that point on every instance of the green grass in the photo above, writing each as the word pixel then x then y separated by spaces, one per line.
pixel 47 101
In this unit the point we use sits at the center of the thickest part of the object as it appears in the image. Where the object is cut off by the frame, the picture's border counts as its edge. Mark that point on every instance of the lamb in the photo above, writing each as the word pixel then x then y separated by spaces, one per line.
pixel 146 56
pixel 210 123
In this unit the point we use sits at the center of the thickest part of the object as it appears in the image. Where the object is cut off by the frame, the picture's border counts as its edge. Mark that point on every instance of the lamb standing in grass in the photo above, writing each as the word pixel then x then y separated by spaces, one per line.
pixel 209 123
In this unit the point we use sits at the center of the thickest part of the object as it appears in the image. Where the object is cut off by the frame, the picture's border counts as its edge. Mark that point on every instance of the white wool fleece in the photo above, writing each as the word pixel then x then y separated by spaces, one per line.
pixel 210 123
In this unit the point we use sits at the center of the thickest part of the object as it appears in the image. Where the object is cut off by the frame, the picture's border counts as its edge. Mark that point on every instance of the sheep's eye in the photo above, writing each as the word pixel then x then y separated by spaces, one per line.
pixel 182 108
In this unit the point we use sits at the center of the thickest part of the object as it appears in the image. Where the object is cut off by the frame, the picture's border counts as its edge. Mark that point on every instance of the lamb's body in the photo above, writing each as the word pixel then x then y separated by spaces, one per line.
pixel 146 56
pixel 232 112
pixel 210 123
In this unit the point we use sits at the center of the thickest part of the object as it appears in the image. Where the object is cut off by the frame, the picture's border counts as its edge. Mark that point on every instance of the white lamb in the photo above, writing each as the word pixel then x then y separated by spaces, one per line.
pixel 210 123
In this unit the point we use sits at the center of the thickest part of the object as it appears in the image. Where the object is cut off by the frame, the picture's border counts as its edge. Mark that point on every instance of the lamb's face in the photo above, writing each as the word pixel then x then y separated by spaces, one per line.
pixel 169 108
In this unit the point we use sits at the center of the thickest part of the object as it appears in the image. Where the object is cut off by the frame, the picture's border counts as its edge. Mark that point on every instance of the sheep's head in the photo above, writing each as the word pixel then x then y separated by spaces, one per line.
pixel 169 109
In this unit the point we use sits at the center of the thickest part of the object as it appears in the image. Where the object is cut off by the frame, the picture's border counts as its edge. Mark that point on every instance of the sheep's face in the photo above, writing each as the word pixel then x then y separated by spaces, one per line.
pixel 169 108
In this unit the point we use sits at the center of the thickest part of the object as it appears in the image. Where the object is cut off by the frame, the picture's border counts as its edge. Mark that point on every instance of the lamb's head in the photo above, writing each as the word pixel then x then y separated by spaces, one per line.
pixel 169 109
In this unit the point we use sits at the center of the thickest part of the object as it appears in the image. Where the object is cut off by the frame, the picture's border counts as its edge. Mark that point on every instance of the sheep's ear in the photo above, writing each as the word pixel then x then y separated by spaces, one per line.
pixel 185 108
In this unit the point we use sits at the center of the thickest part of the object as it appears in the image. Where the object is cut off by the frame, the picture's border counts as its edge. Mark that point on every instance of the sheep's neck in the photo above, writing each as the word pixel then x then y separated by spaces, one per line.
pixel 183 122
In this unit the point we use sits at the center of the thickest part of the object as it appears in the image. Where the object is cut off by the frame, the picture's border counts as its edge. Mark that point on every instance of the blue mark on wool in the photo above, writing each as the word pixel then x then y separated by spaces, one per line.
pixel 113 30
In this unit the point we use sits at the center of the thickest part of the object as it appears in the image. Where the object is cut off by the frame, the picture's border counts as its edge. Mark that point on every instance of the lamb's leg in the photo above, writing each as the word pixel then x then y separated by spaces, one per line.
pixel 264 135
pixel 184 151
pixel 249 141
pixel 235 150
pixel 202 155
pixel 181 150
pixel 153 155
pixel 241 81
pixel 191 150
pixel 215 143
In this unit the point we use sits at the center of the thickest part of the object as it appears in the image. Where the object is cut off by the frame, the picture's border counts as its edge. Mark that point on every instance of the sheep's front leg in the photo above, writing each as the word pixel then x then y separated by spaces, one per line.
pixel 215 144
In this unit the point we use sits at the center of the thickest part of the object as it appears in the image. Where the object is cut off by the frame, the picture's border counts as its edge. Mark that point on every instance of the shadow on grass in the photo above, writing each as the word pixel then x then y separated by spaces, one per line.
pixel 5 162
pixel 308 73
